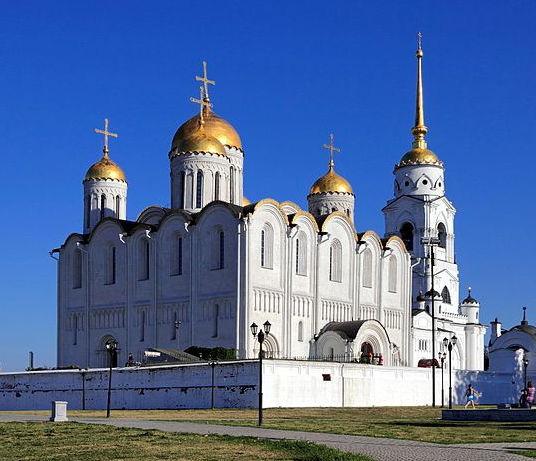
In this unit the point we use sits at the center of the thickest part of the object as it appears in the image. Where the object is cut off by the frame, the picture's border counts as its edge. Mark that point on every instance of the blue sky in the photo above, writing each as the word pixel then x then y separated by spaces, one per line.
pixel 288 74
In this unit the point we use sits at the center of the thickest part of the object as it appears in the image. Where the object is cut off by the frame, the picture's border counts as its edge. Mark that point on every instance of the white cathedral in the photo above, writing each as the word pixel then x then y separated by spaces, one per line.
pixel 199 273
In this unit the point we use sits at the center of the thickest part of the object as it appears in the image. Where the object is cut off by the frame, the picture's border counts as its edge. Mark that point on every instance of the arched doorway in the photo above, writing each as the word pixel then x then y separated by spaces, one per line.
pixel 106 356
pixel 367 352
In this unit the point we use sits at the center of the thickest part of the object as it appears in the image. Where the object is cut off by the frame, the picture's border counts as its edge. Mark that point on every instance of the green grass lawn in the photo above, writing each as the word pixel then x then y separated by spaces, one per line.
pixel 415 423
pixel 84 442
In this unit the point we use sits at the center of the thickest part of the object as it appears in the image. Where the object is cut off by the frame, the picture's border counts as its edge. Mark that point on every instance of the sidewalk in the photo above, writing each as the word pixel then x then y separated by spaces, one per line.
pixel 381 449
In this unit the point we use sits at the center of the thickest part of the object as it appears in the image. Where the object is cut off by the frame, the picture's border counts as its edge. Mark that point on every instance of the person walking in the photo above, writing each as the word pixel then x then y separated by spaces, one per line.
pixel 531 394
pixel 471 395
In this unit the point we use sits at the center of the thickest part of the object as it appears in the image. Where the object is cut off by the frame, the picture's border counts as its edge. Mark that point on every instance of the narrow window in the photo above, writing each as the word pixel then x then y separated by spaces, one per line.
pixel 75 330
pixel 216 315
pixel 392 274
pixel 367 268
pixel 442 235
pixel 117 206
pixel 199 190
pixel 335 261
pixel 267 243
pixel 217 186
pixel 102 205
pixel 406 233
pixel 77 269
pixel 142 326
pixel 445 295
pixel 110 266
pixel 176 256
pixel 182 190
pixel 87 210
pixel 301 253
pixel 263 241
pixel 222 250
pixel 300 331
pixel 297 256
pixel 143 259
pixel 232 185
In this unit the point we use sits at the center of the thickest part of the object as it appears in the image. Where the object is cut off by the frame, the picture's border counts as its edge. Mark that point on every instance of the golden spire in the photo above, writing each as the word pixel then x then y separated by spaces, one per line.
pixel 331 147
pixel 203 102
pixel 419 130
pixel 106 133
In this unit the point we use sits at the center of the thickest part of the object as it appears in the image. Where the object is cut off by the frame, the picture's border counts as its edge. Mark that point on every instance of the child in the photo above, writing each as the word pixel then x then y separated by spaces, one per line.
pixel 471 395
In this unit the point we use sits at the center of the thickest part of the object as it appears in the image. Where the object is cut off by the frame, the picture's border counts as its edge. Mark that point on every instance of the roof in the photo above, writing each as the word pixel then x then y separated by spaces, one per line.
pixel 347 330
pixel 172 355
pixel 524 328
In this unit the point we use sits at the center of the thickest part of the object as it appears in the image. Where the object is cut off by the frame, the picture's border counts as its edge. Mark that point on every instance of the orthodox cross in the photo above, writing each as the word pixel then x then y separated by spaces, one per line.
pixel 331 147
pixel 205 80
pixel 106 134
pixel 419 40
pixel 203 102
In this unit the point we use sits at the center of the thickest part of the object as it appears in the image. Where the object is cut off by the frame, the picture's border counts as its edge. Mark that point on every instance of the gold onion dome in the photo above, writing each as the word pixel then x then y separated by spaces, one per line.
pixel 419 154
pixel 245 201
pixel 213 125
pixel 105 168
pixel 199 141
pixel 331 182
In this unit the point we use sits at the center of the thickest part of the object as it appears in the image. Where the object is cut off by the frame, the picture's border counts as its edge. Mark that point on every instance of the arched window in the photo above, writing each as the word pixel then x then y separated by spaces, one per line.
pixel 217 186
pixel 143 259
pixel 232 185
pixel 102 205
pixel 182 189
pixel 175 266
pixel 117 206
pixel 77 269
pixel 445 295
pixel 367 268
pixel 406 234
pixel 217 250
pixel 300 331
pixel 335 261
pixel 110 265
pixel 75 330
pixel 267 243
pixel 442 235
pixel 392 274
pixel 87 210
pixel 215 319
pixel 301 253
pixel 199 190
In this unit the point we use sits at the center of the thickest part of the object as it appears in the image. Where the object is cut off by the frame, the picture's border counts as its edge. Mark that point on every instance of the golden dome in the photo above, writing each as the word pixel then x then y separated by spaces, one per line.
pixel 331 182
pixel 245 201
pixel 200 141
pixel 214 126
pixel 419 156
pixel 105 169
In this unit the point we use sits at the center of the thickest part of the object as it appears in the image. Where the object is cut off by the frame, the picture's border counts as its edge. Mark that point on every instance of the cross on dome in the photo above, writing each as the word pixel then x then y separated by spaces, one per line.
pixel 331 147
pixel 203 102
pixel 205 80
pixel 106 135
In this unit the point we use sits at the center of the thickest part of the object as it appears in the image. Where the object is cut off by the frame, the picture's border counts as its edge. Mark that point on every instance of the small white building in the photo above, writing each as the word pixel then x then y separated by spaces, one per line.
pixel 214 263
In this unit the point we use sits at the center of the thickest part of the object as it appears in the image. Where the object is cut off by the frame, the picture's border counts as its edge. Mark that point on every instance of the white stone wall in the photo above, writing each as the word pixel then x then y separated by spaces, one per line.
pixel 115 206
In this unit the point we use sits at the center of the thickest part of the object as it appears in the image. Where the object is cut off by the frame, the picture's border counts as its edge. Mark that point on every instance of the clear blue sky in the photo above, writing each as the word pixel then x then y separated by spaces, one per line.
pixel 287 74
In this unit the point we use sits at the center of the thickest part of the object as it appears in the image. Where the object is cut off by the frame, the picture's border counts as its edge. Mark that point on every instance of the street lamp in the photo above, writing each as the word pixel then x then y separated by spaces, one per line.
pixel 176 326
pixel 261 336
pixel 442 356
pixel 432 242
pixel 111 348
pixel 449 344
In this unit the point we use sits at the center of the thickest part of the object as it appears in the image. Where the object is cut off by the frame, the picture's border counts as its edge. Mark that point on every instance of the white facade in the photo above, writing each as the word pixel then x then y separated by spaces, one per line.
pixel 217 266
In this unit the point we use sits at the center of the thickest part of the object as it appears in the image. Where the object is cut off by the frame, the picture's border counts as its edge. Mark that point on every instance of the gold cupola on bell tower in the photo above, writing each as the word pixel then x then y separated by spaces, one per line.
pixel 419 153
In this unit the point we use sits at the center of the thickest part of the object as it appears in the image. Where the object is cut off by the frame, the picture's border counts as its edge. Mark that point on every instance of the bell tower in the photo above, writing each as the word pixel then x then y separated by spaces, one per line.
pixel 420 210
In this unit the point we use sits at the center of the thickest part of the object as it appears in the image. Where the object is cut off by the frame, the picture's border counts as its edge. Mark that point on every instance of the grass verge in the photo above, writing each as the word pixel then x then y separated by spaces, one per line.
pixel 84 442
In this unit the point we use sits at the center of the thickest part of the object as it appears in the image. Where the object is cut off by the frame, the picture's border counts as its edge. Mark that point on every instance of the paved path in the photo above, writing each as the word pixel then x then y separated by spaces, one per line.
pixel 380 449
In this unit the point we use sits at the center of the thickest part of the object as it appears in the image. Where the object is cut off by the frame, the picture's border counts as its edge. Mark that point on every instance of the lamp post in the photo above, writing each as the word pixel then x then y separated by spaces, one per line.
pixel 432 242
pixel 261 336
pixel 442 356
pixel 111 347
pixel 176 325
pixel 213 366
pixel 449 344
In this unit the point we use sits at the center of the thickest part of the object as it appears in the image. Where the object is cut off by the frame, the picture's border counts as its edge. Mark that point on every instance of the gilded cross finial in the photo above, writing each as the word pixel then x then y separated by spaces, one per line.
pixel 106 135
pixel 332 149
pixel 205 80
pixel 419 40
pixel 203 102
